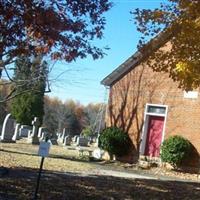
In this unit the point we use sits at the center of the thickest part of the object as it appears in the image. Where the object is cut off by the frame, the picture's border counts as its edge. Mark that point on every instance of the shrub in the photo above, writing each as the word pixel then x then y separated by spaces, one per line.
pixel 175 150
pixel 115 141
pixel 87 131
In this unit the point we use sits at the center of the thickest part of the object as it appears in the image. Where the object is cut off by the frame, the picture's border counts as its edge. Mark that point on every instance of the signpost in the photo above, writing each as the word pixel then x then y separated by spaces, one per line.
pixel 44 149
pixel 43 152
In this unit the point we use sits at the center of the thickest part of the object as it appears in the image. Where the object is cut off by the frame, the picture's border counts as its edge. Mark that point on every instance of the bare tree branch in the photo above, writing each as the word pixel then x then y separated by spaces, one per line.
pixel 11 95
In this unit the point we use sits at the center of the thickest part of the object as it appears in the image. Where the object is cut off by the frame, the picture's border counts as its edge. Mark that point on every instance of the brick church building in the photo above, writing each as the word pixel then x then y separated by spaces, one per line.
pixel 149 106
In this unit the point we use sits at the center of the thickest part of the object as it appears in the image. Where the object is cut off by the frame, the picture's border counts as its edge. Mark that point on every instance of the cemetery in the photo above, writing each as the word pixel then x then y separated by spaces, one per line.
pixel 61 138
pixel 69 164
pixel 77 178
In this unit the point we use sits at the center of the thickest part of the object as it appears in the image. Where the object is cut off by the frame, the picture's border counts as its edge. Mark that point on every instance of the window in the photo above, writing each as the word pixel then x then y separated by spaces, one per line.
pixel 156 109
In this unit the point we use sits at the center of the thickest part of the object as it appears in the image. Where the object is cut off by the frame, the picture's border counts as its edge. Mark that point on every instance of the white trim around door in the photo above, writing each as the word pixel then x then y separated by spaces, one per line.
pixel 152 110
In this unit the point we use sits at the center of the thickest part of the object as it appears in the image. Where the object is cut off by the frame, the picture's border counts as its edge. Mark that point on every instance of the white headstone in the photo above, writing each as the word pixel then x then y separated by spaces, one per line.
pixel 75 138
pixel 41 131
pixel 8 129
pixel 33 139
pixel 30 133
pixel 16 133
pixel 67 140
pixel 64 134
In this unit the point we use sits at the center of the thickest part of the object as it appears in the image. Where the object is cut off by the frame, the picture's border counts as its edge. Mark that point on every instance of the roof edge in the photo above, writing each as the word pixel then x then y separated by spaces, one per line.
pixel 140 56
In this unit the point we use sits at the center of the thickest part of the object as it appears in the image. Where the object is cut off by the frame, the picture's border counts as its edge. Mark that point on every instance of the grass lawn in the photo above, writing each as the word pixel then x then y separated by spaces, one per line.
pixel 25 155
pixel 62 180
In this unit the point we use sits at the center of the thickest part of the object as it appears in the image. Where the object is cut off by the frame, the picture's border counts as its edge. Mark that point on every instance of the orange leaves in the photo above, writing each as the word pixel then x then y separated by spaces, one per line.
pixel 50 42
pixel 41 49
pixel 63 29
pixel 180 19
pixel 158 14
pixel 79 112
pixel 37 35
pixel 56 56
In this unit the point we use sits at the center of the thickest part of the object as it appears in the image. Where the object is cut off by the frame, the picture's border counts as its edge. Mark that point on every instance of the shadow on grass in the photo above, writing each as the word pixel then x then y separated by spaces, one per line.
pixel 20 185
pixel 77 159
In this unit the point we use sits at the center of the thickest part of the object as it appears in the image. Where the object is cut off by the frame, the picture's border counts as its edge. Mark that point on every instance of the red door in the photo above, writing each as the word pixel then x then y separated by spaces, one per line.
pixel 154 136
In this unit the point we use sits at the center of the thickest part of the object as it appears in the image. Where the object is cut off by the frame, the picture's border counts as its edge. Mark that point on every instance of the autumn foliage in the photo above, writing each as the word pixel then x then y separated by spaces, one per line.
pixel 71 115
pixel 180 20
pixel 54 28
pixel 62 29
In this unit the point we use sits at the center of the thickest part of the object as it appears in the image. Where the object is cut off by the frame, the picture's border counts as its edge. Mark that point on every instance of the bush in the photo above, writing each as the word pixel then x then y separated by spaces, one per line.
pixel 175 150
pixel 115 141
pixel 87 131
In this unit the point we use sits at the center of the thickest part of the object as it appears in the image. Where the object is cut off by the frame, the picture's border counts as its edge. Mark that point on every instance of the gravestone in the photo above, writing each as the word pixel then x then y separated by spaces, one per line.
pixel 75 138
pixel 63 135
pixel 23 131
pixel 16 133
pixel 82 141
pixel 67 140
pixel 44 135
pixel 29 133
pixel 65 131
pixel 8 129
pixel 41 131
pixel 59 135
pixel 33 138
pixel 54 141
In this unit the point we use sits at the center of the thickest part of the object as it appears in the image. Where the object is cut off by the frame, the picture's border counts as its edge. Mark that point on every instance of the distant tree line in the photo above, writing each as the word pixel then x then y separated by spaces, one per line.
pixel 74 116
pixel 32 73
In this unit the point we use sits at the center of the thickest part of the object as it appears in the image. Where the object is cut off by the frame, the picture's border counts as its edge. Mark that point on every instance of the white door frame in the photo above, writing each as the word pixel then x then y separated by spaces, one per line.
pixel 146 123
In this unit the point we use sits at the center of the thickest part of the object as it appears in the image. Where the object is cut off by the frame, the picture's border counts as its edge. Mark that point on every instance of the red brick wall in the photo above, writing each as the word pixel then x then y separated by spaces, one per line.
pixel 129 96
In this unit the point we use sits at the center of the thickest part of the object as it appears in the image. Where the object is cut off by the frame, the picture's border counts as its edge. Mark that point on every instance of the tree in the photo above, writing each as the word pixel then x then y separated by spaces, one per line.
pixel 4 107
pixel 59 29
pixel 71 115
pixel 32 73
pixel 179 20
pixel 95 115
pixel 60 115
pixel 50 119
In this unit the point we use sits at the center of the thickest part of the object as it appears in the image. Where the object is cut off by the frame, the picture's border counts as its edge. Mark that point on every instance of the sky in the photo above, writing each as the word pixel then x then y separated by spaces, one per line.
pixel 80 80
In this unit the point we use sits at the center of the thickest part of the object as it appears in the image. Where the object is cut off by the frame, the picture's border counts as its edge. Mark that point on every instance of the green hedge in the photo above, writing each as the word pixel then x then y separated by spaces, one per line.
pixel 115 141
pixel 175 150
